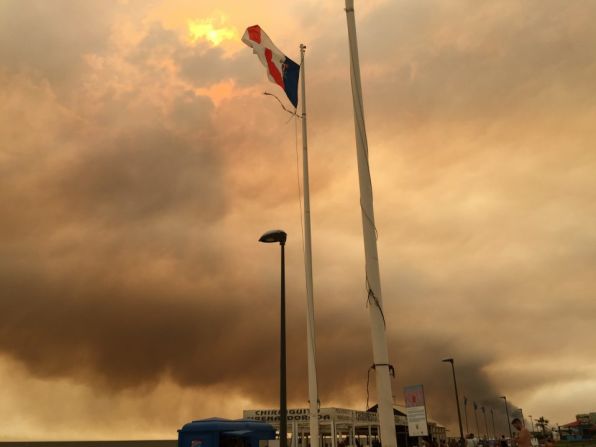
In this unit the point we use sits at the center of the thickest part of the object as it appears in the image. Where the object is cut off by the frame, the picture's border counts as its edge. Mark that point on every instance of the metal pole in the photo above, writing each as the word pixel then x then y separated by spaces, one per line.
pixel 466 413
pixel 476 418
pixel 492 414
pixel 283 409
pixel 313 397
pixel 532 422
pixel 507 413
pixel 461 430
pixel 485 422
pixel 373 277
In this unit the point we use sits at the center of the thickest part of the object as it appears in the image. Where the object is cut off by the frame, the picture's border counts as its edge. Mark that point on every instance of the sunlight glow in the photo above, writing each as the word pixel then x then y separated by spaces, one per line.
pixel 212 29
pixel 221 91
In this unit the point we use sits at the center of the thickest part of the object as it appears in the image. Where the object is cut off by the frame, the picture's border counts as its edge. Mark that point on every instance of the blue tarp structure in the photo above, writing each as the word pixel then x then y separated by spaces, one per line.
pixel 217 432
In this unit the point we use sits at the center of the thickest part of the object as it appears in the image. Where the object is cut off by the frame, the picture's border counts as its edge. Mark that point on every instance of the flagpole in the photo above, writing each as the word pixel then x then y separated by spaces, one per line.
pixel 373 277
pixel 485 422
pixel 466 413
pixel 476 417
pixel 310 317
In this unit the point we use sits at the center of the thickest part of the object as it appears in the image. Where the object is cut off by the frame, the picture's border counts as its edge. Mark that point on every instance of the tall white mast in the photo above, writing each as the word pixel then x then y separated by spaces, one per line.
pixel 310 317
pixel 373 278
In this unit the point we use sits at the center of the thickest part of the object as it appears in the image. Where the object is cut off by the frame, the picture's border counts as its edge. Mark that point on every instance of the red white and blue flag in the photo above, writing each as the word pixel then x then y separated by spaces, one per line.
pixel 281 69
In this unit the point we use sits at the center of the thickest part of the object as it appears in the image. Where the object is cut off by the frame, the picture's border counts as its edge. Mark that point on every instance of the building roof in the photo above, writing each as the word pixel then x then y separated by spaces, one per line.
pixel 581 426
pixel 225 425
pixel 396 412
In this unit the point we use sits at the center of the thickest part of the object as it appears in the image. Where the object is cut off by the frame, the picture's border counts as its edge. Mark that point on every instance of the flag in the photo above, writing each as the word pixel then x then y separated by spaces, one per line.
pixel 281 69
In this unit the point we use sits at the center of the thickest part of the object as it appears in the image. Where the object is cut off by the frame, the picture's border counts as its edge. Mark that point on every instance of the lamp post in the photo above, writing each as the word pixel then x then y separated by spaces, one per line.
pixel 508 421
pixel 461 430
pixel 485 422
pixel 466 413
pixel 531 422
pixel 270 237
pixel 492 414
pixel 476 418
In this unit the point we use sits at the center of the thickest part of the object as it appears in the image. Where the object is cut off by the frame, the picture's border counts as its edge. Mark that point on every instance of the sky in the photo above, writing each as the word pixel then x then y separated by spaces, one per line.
pixel 140 162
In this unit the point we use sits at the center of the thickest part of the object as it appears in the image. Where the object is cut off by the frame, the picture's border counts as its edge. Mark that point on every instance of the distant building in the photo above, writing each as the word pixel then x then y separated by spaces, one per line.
pixel 339 427
pixel 584 427
pixel 436 431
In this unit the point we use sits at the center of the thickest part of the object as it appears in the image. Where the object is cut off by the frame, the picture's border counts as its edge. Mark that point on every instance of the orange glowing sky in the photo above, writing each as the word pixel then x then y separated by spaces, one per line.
pixel 140 161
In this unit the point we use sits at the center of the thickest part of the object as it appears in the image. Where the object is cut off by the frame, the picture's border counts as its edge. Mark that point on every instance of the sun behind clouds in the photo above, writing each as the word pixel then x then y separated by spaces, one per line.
pixel 212 29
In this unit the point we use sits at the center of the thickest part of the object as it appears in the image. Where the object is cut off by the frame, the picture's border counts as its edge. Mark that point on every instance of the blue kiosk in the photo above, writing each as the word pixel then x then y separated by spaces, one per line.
pixel 217 432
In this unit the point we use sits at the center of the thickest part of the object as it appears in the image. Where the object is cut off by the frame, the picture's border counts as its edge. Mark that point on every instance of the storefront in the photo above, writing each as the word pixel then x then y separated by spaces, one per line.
pixel 339 427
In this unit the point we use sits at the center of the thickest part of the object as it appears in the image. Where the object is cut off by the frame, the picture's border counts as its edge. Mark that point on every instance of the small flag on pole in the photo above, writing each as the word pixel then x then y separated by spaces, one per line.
pixel 281 69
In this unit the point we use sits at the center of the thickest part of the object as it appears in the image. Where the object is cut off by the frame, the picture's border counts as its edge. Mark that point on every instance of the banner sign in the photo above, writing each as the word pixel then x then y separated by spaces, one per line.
pixel 326 415
pixel 415 410
pixel 272 415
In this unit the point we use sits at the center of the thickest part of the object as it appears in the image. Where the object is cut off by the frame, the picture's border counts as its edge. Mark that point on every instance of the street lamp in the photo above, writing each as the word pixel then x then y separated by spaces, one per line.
pixel 461 430
pixel 271 237
pixel 508 421
pixel 466 413
pixel 476 418
pixel 532 422
pixel 485 423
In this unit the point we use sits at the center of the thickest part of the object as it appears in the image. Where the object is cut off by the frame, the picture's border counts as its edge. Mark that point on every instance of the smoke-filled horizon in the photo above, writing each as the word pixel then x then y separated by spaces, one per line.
pixel 140 162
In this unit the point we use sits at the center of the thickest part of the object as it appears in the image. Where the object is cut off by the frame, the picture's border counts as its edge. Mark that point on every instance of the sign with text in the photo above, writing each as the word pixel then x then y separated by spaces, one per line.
pixel 326 415
pixel 415 410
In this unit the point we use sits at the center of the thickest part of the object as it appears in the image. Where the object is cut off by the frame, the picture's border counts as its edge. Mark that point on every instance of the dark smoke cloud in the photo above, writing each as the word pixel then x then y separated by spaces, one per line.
pixel 46 40
pixel 135 177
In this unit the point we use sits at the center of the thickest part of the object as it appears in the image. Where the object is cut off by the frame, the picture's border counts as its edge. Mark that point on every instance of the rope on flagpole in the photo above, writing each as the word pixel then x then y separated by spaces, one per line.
pixel 373 299
pixel 293 113
pixel 372 367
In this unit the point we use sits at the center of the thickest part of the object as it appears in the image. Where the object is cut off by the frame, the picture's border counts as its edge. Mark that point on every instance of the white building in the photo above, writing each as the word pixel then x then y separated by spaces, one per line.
pixel 339 427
